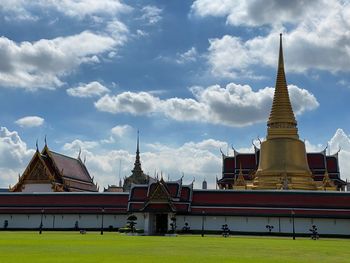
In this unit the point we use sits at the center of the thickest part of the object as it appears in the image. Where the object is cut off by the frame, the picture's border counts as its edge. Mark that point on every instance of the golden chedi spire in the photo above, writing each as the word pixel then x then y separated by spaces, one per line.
pixel 282 121
pixel 282 155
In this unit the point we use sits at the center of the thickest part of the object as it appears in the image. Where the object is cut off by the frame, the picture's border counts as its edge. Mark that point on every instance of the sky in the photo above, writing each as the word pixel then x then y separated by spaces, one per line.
pixel 193 77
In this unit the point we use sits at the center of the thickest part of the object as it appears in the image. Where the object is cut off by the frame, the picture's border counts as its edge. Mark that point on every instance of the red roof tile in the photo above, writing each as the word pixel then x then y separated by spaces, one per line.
pixel 316 160
pixel 71 167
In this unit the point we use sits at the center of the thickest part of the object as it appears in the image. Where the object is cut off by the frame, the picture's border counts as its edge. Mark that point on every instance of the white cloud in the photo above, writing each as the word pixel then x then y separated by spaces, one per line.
pixel 258 12
pixel 78 9
pixel 81 8
pixel 151 14
pixel 118 31
pixel 228 56
pixel 121 130
pixel 341 141
pixel 141 33
pixel 43 64
pixel 191 55
pixel 130 102
pixel 188 56
pixel 14 156
pixel 316 35
pixel 16 10
pixel 30 121
pixel 312 147
pixel 102 164
pixel 195 160
pixel 301 99
pixel 78 144
pixel 233 105
pixel 212 8
pixel 88 90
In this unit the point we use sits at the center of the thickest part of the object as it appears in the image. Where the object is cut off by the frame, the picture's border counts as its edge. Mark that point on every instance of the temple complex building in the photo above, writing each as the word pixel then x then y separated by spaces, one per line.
pixel 49 171
pixel 281 162
pixel 279 185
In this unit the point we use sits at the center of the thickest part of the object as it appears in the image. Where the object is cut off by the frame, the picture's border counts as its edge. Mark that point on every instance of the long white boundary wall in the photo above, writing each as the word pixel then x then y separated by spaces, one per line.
pixel 62 221
pixel 258 224
pixel 147 222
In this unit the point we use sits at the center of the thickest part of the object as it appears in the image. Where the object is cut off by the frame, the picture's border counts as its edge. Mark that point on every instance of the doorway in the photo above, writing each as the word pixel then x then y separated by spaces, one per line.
pixel 161 223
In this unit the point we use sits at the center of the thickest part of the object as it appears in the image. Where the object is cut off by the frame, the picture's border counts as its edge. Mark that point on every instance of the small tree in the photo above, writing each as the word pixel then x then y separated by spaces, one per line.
pixel 40 227
pixel 269 228
pixel 76 225
pixel 225 230
pixel 173 224
pixel 186 228
pixel 131 223
pixel 314 233
pixel 6 224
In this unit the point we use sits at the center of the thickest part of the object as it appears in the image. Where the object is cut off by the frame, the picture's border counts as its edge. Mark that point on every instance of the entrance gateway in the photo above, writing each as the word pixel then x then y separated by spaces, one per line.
pixel 161 223
pixel 160 204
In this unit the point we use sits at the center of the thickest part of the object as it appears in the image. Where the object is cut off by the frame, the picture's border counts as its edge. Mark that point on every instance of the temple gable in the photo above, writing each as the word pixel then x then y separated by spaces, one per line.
pixel 53 172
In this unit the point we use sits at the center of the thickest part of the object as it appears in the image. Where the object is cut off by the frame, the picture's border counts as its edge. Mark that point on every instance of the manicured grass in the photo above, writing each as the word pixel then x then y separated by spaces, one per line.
pixel 113 247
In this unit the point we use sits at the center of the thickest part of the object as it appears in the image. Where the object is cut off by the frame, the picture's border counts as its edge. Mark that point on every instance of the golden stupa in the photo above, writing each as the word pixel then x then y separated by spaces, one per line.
pixel 283 162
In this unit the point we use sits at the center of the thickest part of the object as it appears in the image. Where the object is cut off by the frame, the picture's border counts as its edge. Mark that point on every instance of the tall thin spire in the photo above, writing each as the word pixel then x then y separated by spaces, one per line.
pixel 120 168
pixel 281 115
pixel 137 176
pixel 138 142
pixel 137 164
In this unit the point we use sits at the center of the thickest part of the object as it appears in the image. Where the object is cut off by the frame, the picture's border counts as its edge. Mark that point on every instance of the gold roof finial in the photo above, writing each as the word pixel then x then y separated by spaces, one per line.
pixel 281 115
pixel 240 181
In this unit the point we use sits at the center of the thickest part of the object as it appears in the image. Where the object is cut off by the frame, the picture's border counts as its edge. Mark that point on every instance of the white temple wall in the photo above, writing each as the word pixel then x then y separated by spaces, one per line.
pixel 258 224
pixel 64 221
pixel 146 222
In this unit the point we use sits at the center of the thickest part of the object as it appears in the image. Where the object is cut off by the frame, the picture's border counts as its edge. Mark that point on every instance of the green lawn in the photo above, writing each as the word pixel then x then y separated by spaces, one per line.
pixel 112 247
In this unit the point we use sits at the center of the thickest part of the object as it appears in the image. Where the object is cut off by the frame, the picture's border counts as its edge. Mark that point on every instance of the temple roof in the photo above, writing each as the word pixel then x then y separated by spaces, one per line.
pixel 64 173
pixel 160 195
pixel 71 167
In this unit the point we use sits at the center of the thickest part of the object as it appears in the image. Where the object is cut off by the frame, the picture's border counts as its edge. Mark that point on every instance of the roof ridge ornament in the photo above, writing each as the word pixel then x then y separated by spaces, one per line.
pixel 259 139
pixel 222 153
pixel 79 154
pixel 325 150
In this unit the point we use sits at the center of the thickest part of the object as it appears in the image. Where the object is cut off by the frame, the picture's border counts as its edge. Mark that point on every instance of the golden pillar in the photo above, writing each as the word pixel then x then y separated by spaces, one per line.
pixel 283 162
